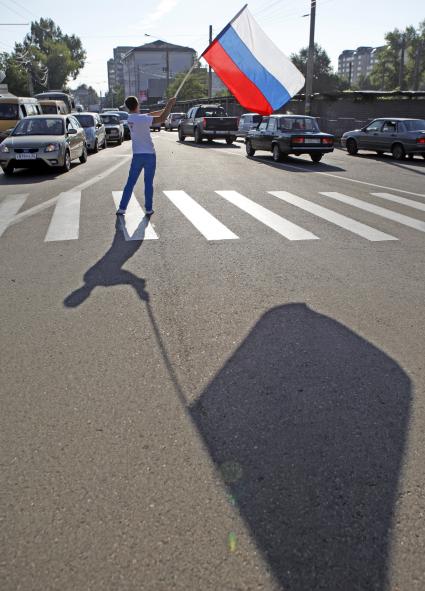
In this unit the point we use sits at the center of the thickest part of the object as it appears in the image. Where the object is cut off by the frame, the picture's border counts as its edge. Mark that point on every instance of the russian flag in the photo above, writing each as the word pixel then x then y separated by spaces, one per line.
pixel 252 67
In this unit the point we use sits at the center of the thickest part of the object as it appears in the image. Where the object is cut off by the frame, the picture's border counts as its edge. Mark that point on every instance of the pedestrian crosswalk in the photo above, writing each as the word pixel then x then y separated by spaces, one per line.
pixel 65 220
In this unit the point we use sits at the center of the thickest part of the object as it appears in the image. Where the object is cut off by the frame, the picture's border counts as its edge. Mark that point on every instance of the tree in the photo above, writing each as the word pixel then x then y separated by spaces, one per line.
pixel 387 74
pixel 46 59
pixel 196 86
pixel 324 78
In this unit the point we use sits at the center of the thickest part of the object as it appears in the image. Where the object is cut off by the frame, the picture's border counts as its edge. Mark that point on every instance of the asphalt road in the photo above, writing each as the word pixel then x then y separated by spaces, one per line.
pixel 236 413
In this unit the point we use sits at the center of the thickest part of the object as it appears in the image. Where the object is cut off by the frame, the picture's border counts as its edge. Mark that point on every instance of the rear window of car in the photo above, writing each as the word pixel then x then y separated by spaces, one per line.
pixel 176 115
pixel 85 120
pixel 110 119
pixel 416 125
pixel 50 109
pixel 298 124
pixel 256 118
pixel 9 111
pixel 210 112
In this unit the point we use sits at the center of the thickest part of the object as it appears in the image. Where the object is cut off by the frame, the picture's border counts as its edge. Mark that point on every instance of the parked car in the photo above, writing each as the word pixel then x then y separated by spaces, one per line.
pixel 172 121
pixel 94 130
pixel 208 122
pixel 50 140
pixel 113 126
pixel 123 115
pixel 247 122
pixel 400 136
pixel 289 134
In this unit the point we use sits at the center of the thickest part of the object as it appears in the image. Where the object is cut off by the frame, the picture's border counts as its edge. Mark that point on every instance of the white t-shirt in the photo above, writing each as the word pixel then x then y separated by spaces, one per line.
pixel 141 139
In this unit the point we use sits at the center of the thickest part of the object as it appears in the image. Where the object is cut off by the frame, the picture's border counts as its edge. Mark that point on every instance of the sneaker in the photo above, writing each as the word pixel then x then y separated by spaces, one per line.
pixel 120 211
pixel 149 212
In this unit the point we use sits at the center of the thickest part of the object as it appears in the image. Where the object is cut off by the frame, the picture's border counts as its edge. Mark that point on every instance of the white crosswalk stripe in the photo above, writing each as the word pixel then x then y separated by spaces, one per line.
pixel 375 209
pixel 9 207
pixel 65 222
pixel 135 224
pixel 401 200
pixel 203 221
pixel 284 227
pixel 335 218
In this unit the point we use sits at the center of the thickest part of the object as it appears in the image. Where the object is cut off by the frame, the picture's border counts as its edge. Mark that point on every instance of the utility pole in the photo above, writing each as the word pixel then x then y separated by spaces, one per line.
pixel 167 67
pixel 418 59
pixel 401 70
pixel 310 60
pixel 209 68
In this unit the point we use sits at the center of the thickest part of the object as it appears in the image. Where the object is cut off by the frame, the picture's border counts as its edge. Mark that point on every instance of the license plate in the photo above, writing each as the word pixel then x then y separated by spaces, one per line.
pixel 26 156
pixel 312 141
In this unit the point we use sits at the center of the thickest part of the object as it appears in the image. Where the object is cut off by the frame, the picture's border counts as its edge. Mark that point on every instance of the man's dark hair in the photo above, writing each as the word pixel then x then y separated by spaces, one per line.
pixel 131 103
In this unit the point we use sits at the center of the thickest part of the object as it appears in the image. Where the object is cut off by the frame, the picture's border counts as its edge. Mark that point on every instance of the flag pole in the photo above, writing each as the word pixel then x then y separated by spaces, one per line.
pixel 195 63
pixel 226 27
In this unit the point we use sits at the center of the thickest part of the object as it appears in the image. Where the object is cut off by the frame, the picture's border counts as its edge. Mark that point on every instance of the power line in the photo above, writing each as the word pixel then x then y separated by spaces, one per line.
pixel 12 9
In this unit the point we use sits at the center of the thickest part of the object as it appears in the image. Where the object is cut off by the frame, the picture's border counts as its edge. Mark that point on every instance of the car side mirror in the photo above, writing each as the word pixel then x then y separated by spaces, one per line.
pixel 72 131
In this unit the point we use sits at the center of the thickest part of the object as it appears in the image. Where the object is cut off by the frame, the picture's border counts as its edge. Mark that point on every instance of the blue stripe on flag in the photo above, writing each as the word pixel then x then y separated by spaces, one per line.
pixel 272 89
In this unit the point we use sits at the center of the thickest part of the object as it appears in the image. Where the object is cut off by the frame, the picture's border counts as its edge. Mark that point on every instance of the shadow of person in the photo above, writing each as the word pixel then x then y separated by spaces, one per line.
pixel 306 423
pixel 108 270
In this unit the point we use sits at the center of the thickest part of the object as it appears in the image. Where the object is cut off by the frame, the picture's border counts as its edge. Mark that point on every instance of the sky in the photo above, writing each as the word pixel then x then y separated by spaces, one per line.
pixel 104 24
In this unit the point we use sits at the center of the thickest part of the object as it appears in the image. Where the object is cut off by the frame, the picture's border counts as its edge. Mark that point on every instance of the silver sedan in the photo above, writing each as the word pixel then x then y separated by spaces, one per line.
pixel 49 140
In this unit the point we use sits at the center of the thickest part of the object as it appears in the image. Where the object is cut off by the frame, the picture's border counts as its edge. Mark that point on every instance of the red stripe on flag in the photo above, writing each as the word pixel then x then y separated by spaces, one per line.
pixel 239 85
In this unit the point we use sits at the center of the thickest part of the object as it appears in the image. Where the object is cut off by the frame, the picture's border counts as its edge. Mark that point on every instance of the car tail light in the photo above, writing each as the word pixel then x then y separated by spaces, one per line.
pixel 327 140
pixel 297 140
pixel 204 121
pixel 420 140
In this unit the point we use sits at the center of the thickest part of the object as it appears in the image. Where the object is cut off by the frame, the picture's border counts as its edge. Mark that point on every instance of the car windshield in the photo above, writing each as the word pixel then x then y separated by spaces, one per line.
pixel 110 119
pixel 416 125
pixel 85 120
pixel 298 124
pixel 205 112
pixel 9 111
pixel 39 126
pixel 176 115
pixel 123 116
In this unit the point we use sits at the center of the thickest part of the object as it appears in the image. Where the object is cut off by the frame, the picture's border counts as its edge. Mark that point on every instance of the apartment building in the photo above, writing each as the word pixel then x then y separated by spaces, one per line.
pixel 356 63
pixel 116 67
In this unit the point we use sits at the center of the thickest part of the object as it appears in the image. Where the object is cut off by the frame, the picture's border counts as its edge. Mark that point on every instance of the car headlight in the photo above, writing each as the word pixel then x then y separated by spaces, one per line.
pixel 4 148
pixel 52 148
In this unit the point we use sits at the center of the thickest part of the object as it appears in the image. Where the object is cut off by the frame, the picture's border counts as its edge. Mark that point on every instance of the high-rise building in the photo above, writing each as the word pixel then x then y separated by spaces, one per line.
pixel 116 67
pixel 149 69
pixel 356 63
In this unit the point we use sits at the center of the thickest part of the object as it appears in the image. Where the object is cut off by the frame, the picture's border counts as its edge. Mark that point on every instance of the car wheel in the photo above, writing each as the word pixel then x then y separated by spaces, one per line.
pixel 198 136
pixel 229 141
pixel 249 149
pixel 316 157
pixel 379 153
pixel 182 137
pixel 83 157
pixel 423 156
pixel 352 148
pixel 96 147
pixel 410 156
pixel 398 152
pixel 119 141
pixel 210 140
pixel 8 170
pixel 277 154
pixel 67 162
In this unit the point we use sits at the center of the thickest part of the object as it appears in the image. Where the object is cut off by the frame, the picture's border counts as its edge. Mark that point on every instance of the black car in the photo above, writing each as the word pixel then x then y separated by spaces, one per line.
pixel 400 136
pixel 289 134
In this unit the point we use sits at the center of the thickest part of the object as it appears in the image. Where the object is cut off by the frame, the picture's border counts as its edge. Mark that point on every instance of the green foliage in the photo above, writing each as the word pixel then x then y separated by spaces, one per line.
pixel 386 72
pixel 46 59
pixel 324 78
pixel 195 87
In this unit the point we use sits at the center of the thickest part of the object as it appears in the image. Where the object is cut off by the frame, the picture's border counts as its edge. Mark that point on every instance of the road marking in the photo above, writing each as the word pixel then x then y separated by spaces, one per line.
pixel 335 218
pixel 9 207
pixel 207 224
pixel 65 221
pixel 381 211
pixel 401 200
pixel 46 204
pixel 272 220
pixel 135 224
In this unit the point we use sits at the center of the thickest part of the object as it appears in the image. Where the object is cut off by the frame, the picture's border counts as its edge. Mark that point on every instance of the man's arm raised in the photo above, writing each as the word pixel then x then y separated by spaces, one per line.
pixel 160 116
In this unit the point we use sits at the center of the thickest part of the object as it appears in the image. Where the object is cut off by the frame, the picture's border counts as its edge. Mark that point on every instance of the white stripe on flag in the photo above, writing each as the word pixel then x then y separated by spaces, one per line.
pixel 335 218
pixel 203 221
pixel 9 207
pixel 401 200
pixel 381 211
pixel 135 225
pixel 65 222
pixel 272 220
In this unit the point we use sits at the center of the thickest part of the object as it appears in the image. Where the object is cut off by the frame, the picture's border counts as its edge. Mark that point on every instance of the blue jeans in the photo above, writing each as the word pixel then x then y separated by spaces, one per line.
pixel 138 163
